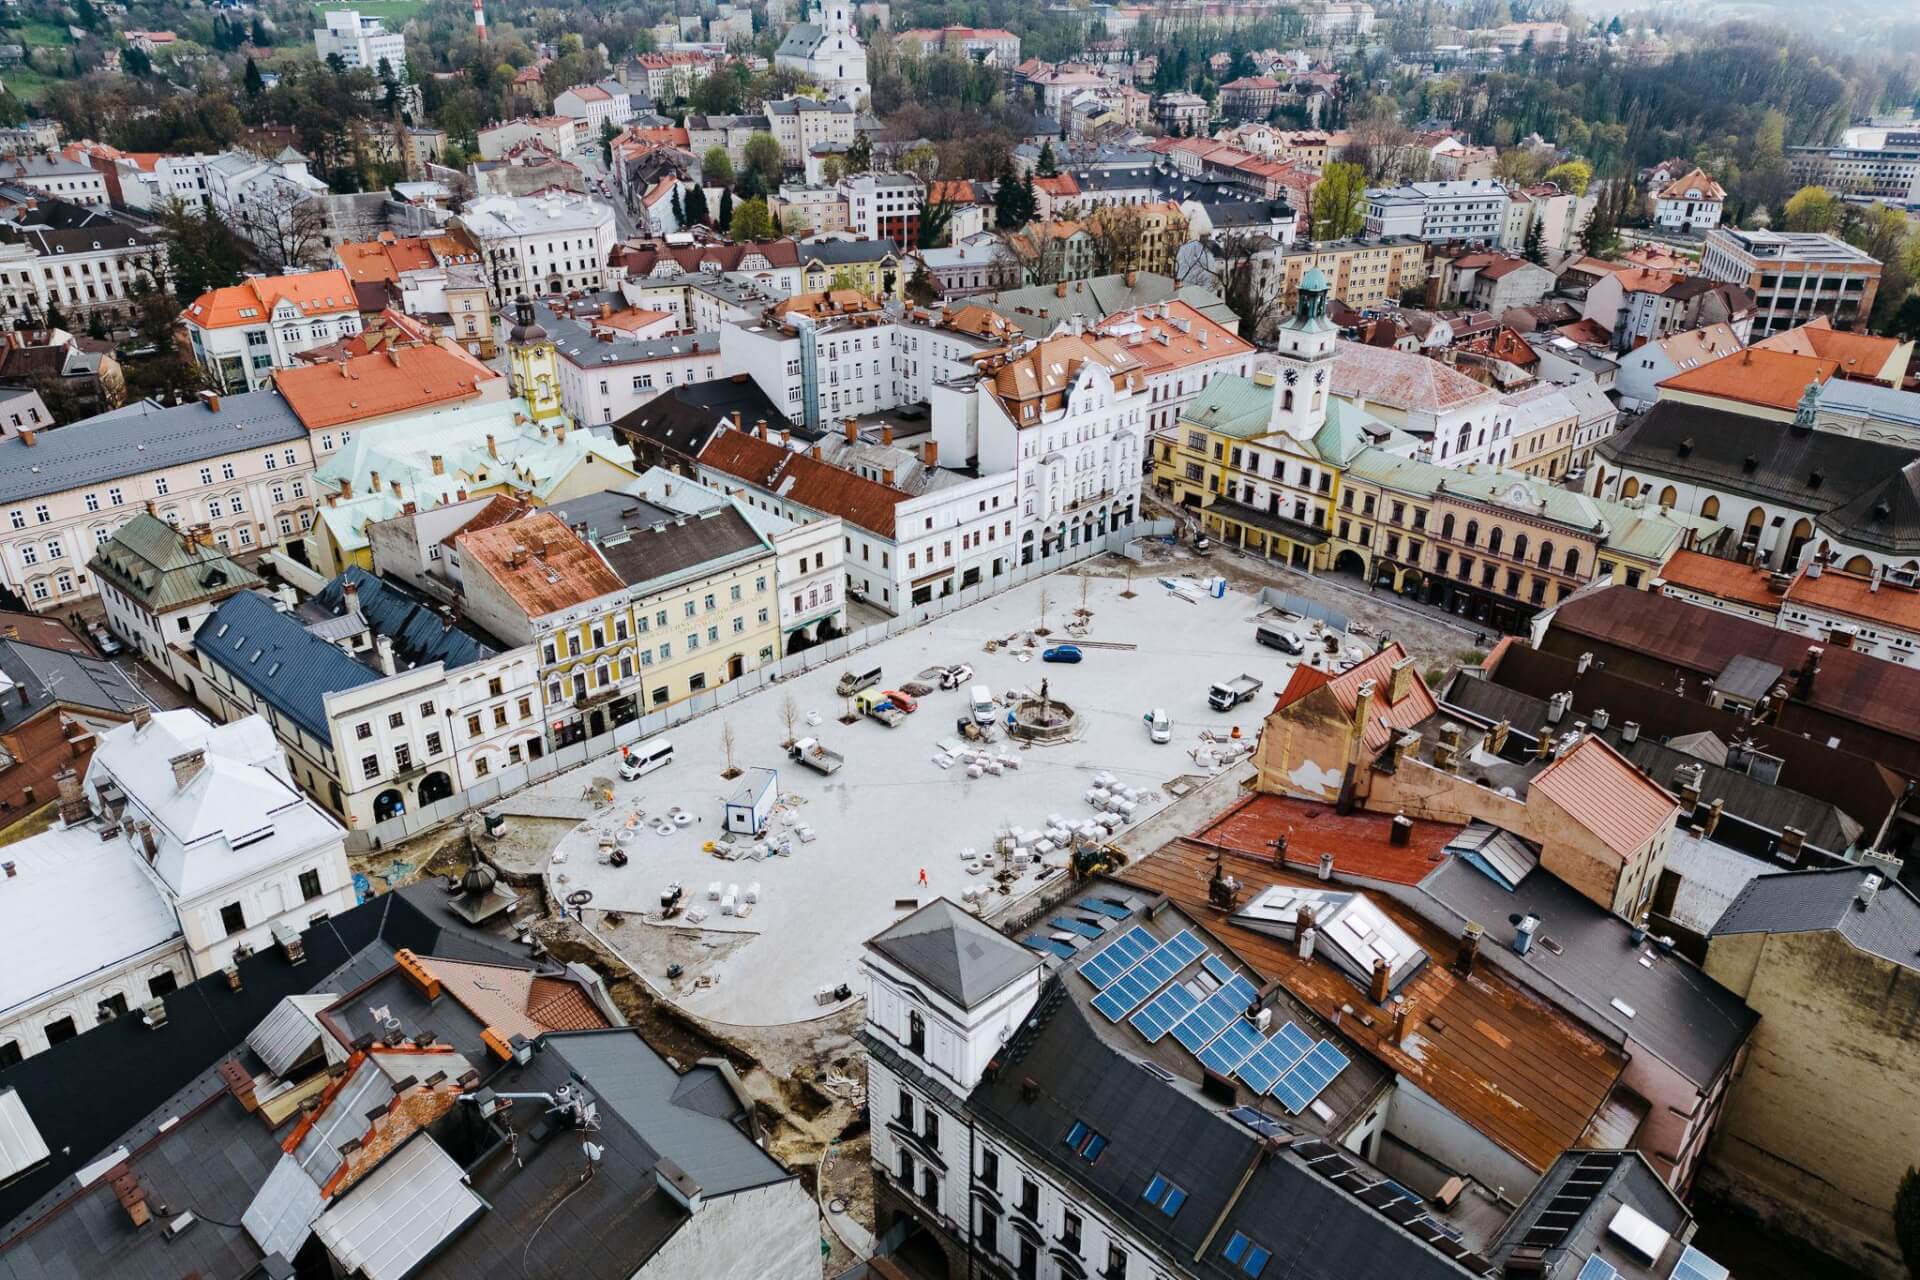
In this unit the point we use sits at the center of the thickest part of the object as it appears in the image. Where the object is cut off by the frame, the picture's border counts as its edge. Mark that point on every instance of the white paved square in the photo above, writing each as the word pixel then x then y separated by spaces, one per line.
pixel 890 811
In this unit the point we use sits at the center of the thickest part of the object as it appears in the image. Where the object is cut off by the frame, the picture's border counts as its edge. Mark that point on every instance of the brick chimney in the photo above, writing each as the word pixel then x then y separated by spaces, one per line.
pixel 1378 989
pixel 1468 950
pixel 28 437
pixel 439 465
pixel 493 449
pixel 853 431
pixel 187 766
pixel 930 453
pixel 1362 709
pixel 886 434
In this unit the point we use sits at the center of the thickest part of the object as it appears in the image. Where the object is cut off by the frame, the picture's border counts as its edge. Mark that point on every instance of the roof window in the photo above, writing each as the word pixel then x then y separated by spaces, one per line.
pixel 1164 1196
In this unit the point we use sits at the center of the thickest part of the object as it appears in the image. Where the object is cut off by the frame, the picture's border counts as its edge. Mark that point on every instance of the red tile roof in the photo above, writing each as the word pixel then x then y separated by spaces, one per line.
pixel 1386 716
pixel 251 302
pixel 1361 843
pixel 1608 794
pixel 542 565
pixel 1724 579
pixel 384 382
pixel 805 480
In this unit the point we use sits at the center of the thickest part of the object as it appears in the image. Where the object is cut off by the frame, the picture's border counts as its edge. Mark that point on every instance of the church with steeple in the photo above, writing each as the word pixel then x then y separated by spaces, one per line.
pixel 533 367
pixel 827 50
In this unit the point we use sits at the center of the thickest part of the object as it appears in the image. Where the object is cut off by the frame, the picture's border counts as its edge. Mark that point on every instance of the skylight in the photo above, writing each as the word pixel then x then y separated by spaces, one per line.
pixel 1084 1142
pixel 1249 1257
pixel 1164 1196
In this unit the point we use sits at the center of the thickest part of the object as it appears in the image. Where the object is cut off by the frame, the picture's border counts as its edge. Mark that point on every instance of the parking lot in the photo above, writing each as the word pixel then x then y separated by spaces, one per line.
pixel 891 813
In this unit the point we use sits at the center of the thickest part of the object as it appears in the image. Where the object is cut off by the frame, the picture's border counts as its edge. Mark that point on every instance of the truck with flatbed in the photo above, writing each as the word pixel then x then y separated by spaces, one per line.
pixel 878 706
pixel 1228 694
pixel 816 755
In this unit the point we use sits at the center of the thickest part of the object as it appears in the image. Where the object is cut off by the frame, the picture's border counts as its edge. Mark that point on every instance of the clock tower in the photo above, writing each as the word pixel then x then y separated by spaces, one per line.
pixel 533 368
pixel 1303 362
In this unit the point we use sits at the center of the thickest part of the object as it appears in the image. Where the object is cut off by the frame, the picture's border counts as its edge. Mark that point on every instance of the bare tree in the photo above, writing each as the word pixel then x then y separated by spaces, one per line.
pixel 726 745
pixel 790 713
pixel 1119 238
pixel 286 226
pixel 1239 267
pixel 1045 600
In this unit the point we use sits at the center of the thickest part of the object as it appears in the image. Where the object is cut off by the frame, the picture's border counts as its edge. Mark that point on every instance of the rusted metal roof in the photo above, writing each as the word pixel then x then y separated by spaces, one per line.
pixel 542 565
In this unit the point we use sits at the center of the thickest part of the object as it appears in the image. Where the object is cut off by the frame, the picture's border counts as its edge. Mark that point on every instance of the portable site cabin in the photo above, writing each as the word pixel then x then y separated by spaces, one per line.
pixel 751 808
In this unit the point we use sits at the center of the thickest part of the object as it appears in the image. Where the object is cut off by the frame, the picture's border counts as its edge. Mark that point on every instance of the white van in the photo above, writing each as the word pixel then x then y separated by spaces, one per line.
pixel 980 704
pixel 1159 727
pixel 644 758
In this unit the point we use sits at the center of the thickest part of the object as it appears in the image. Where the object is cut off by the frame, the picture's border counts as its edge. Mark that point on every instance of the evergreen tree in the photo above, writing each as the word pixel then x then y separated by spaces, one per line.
pixel 1535 249
pixel 921 290
pixel 1007 201
pixel 1029 201
pixel 697 206
pixel 255 83
pixel 860 154
pixel 259 37
pixel 1047 166
pixel 679 208
pixel 726 210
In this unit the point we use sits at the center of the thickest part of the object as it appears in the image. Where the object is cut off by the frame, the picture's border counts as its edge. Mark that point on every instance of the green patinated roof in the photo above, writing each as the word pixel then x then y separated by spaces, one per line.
pixel 150 560
pixel 1240 408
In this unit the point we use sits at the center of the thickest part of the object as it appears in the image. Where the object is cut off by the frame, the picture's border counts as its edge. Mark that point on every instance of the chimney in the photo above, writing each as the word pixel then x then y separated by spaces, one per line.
pixel 142 717
pixel 1402 833
pixel 422 977
pixel 1060 289
pixel 374 482
pixel 1400 1012
pixel 1362 709
pixel 1864 896
pixel 853 431
pixel 383 652
pixel 349 597
pixel 560 432
pixel 148 845
pixel 1809 670
pixel 886 476
pixel 1543 747
pixel 1132 278
pixel 28 437
pixel 211 399
pixel 1401 682
pixel 1630 731
pixel 1713 816
pixel 493 449
pixel 1468 950
pixel 1557 706
pixel 1601 717
pixel 1689 780
pixel 930 453
pixel 886 434
pixel 1523 933
pixel 1586 660
pixel 187 766
pixel 439 465
pixel 1382 978
pixel 1787 848
pixel 736 420
pixel 1497 737
pixel 346 487
pixel 1326 866
pixel 73 801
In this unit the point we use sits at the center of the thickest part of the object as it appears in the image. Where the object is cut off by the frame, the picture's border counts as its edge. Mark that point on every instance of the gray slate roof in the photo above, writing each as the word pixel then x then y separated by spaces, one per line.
pixel 835 253
pixel 705 543
pixel 1810 901
pixel 577 345
pixel 140 438
pixel 43 676
pixel 951 951
pixel 270 653
pixel 1680 1015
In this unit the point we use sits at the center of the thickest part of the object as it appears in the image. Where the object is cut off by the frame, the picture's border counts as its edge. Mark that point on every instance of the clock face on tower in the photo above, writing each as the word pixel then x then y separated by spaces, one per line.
pixel 1319 375
pixel 1292 376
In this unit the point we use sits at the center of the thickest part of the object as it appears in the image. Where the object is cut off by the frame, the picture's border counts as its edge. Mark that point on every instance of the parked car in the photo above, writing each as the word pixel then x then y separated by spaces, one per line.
pixel 902 701
pixel 107 643
pixel 956 675
pixel 1159 727
pixel 1062 653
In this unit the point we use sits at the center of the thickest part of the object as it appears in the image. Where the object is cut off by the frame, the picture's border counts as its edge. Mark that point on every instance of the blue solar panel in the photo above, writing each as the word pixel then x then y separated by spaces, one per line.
pixel 1695 1265
pixel 1211 1018
pixel 1259 1121
pixel 1107 907
pixel 1219 968
pixel 1133 987
pixel 1273 1059
pixel 1598 1269
pixel 1052 946
pixel 1117 957
pixel 1303 1083
pixel 1081 927
pixel 1163 1011
pixel 1232 1048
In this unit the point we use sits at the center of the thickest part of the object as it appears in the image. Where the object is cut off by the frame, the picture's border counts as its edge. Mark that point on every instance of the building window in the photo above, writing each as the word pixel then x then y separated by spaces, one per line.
pixel 916 1033
pixel 1084 1142
pixel 233 918
pixel 1164 1196
pixel 433 744
pixel 990 1168
pixel 1244 1254
pixel 370 767
pixel 1116 1263
pixel 1070 1230
pixel 161 984
pixel 309 885
pixel 59 1031
pixel 1029 1199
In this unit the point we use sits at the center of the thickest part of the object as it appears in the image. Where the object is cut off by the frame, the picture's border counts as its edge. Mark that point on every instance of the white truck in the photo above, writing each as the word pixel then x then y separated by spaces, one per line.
pixel 1229 694
pixel 816 755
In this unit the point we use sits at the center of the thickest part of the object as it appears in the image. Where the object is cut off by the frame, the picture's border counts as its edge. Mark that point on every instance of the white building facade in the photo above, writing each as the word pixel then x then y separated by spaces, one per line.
pixel 550 243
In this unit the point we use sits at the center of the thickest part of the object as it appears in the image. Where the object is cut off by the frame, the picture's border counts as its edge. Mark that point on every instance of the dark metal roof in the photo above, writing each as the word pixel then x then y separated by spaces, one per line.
pixel 1153 1129
pixel 420 632
pixel 709 541
pixel 684 419
pixel 1570 1209
pixel 1814 901
pixel 610 510
pixel 1680 1015
pixel 286 666
pixel 43 677
pixel 949 949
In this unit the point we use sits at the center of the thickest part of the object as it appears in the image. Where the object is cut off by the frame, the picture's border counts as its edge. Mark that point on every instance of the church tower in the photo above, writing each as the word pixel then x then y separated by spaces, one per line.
pixel 1303 362
pixel 533 368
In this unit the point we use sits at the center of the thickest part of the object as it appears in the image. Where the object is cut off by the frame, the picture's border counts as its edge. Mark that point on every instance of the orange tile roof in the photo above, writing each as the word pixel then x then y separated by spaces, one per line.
pixel 383 382
pixel 515 1001
pixel 1061 184
pixel 1386 715
pixel 1608 794
pixel 1775 379
pixel 1180 348
pixel 252 301
pixel 1699 181
pixel 1722 579
pixel 1854 596
pixel 1035 381
pixel 1584 330
pixel 542 565
pixel 1857 353
pixel 383 259
pixel 805 480
pixel 1361 842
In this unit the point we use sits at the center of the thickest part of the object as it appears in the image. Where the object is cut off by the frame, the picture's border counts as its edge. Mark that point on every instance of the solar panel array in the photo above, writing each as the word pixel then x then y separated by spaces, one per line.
pixel 1303 1083
pixel 1598 1268
pixel 1108 907
pixel 1164 1011
pixel 1221 1009
pixel 1231 1047
pixel 1084 928
pixel 1131 989
pixel 1264 1067
pixel 1118 956
pixel 1695 1265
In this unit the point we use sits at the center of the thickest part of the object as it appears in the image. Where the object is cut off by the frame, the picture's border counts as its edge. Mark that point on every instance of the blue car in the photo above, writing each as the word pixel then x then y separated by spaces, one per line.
pixel 1062 653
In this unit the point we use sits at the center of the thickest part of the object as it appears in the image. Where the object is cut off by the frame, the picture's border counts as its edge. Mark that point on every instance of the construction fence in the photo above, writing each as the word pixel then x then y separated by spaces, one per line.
pixel 559 760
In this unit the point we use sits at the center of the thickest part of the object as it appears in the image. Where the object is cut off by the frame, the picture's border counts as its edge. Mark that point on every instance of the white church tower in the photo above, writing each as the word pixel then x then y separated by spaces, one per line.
pixel 1303 362
pixel 827 50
